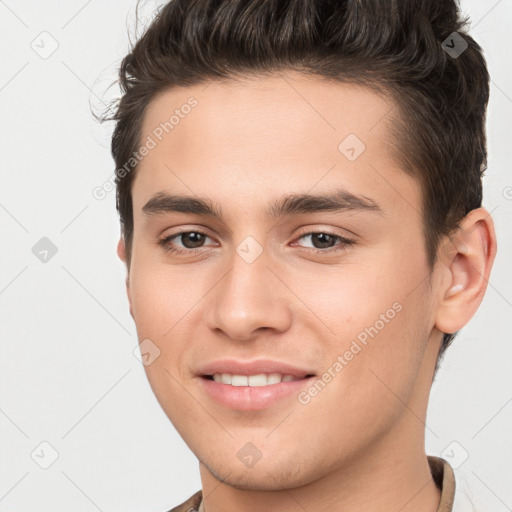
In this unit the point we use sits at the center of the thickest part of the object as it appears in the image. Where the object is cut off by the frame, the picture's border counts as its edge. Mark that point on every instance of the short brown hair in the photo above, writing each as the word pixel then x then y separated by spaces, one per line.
pixel 394 46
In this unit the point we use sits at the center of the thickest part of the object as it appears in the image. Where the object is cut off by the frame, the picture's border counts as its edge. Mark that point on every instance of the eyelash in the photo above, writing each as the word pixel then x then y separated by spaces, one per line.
pixel 344 242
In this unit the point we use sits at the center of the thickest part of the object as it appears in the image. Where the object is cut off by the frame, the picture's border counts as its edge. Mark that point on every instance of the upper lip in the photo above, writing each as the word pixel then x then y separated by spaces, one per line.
pixel 253 367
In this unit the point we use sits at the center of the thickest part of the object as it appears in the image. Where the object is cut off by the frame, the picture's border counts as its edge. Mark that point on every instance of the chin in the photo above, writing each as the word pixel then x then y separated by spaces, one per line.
pixel 262 477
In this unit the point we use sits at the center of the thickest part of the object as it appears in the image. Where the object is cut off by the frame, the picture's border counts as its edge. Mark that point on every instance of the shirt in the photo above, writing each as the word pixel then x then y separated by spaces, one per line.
pixel 442 474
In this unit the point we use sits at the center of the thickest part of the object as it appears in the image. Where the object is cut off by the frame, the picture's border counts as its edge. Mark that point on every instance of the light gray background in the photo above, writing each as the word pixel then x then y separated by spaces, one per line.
pixel 68 376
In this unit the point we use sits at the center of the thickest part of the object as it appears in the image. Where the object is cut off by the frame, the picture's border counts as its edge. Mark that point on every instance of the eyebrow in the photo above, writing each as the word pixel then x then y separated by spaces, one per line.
pixel 338 201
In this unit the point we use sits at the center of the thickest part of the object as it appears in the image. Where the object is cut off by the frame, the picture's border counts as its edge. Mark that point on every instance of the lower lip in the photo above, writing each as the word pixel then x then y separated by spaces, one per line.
pixel 252 398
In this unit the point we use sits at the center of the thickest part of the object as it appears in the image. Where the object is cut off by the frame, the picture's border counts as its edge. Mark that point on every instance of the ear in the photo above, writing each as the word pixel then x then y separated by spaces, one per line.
pixel 121 249
pixel 121 252
pixel 467 262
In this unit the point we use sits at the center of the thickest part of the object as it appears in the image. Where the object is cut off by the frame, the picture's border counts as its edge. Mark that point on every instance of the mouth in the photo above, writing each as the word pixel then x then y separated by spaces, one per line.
pixel 255 380
pixel 252 385
pixel 253 392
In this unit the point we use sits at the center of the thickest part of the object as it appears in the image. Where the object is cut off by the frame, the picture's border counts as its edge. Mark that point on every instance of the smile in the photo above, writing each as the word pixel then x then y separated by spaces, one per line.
pixel 259 380
pixel 252 392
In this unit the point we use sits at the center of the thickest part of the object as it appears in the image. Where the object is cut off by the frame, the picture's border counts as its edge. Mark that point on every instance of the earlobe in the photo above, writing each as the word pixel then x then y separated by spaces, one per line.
pixel 467 271
pixel 121 252
pixel 121 249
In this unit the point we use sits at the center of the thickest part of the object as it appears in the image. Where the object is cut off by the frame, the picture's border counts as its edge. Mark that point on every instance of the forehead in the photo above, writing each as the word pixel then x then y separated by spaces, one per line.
pixel 264 106
pixel 281 132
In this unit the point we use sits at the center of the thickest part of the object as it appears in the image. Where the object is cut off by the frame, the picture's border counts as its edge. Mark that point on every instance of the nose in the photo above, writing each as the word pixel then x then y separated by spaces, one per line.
pixel 248 299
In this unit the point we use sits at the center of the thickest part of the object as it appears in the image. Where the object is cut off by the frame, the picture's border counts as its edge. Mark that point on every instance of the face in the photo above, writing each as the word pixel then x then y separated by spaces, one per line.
pixel 275 233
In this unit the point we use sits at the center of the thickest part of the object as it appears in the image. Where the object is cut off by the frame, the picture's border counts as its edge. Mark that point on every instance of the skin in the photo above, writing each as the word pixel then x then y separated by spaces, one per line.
pixel 359 443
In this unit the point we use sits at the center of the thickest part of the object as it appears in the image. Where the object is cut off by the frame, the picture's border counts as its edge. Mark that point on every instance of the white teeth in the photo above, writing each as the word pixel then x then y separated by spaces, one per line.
pixel 274 378
pixel 262 379
pixel 257 380
pixel 239 380
pixel 225 378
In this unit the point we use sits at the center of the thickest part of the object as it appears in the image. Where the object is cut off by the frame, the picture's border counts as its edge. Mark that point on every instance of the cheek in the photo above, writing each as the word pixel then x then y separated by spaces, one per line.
pixel 160 297
pixel 148 299
pixel 352 297
pixel 379 315
pixel 168 310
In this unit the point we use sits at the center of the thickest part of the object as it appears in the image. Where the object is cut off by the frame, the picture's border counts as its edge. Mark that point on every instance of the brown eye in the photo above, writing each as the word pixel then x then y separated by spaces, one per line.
pixel 189 242
pixel 192 239
pixel 324 242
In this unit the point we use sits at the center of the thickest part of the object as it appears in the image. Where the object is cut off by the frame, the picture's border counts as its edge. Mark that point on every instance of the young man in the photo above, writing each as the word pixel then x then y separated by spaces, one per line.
pixel 299 186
